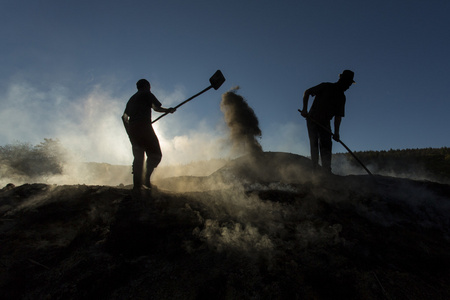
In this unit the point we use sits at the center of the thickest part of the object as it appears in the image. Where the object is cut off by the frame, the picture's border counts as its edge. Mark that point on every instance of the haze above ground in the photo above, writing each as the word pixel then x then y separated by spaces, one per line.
pixel 69 68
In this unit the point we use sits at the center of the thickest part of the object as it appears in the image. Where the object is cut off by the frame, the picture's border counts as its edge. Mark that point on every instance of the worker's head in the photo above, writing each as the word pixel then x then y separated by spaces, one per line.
pixel 143 84
pixel 346 79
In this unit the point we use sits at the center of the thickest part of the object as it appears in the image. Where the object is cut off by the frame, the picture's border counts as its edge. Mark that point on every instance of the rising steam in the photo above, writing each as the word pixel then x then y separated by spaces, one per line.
pixel 242 122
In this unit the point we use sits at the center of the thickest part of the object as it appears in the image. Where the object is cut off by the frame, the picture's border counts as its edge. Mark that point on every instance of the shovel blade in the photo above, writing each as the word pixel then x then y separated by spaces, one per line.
pixel 217 80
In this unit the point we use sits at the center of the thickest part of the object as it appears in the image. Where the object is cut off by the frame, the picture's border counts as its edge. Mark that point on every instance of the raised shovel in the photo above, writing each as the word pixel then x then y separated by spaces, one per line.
pixel 216 81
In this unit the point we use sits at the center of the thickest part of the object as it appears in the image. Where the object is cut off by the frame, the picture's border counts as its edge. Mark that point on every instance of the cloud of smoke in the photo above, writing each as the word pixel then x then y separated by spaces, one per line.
pixel 89 126
pixel 242 123
pixel 236 220
pixel 199 143
pixel 86 124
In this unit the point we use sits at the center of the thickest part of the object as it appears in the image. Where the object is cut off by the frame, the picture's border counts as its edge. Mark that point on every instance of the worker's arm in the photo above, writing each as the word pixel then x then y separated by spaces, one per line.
pixel 337 126
pixel 306 95
pixel 126 121
pixel 161 109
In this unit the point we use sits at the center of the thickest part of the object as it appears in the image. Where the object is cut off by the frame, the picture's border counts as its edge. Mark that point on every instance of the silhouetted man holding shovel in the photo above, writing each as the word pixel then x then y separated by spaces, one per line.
pixel 329 102
pixel 137 120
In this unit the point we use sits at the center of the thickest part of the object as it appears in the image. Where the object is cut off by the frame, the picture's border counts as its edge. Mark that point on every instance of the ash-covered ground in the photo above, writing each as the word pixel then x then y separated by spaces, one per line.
pixel 261 227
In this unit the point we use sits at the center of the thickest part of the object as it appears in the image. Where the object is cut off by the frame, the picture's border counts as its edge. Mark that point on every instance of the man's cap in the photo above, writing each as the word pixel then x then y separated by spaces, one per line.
pixel 347 75
pixel 142 83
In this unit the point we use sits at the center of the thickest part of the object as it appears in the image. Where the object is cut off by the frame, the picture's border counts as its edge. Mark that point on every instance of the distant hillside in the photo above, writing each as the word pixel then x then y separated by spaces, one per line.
pixel 430 162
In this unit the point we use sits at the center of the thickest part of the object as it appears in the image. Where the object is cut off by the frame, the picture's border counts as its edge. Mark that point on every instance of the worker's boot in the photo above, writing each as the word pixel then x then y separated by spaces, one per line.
pixel 137 176
pixel 137 181
pixel 148 174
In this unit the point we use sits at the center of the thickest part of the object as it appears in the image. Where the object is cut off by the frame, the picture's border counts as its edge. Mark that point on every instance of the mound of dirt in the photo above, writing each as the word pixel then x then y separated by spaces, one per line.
pixel 259 228
pixel 247 170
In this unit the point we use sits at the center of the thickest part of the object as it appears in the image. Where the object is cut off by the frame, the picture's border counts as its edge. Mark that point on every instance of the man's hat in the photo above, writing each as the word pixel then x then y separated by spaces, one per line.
pixel 347 75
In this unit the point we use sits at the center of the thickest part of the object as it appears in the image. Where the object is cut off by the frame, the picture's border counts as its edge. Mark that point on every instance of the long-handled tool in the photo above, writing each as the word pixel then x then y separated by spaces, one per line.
pixel 216 81
pixel 342 143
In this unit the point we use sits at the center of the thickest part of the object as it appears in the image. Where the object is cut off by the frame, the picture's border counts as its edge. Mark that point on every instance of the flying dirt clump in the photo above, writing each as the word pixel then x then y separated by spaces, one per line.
pixel 242 122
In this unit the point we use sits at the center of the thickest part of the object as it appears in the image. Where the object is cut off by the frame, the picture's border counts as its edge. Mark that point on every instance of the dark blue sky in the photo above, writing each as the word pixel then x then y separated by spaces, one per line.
pixel 68 68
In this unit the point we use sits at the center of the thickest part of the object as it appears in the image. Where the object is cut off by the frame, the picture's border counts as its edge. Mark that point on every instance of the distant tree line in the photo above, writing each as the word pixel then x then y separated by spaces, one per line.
pixel 49 157
pixel 24 159
pixel 436 161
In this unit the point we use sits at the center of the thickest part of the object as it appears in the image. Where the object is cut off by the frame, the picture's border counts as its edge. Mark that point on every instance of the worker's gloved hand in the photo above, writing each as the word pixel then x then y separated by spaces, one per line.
pixel 172 110
pixel 304 113
pixel 336 137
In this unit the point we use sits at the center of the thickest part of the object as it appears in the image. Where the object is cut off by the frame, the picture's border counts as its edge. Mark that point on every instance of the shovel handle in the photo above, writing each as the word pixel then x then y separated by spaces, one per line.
pixel 216 81
pixel 184 102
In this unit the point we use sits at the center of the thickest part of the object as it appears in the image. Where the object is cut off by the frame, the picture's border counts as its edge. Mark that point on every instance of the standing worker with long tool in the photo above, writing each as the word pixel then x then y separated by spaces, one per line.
pixel 329 102
pixel 137 119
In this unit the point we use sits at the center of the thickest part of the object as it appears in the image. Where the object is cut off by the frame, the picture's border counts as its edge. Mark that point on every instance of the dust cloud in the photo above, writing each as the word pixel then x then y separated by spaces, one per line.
pixel 242 122
pixel 89 127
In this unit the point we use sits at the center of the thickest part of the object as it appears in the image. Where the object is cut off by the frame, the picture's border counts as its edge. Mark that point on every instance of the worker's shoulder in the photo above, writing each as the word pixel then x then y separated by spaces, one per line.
pixel 322 86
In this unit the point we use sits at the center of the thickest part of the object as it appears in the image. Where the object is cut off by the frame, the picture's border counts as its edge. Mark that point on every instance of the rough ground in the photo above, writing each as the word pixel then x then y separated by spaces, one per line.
pixel 259 228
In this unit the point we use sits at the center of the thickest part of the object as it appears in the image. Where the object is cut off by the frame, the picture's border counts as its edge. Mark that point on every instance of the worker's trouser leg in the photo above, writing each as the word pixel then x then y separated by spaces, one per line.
pixel 153 160
pixel 320 139
pixel 138 166
pixel 144 142
pixel 313 143
pixel 325 151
